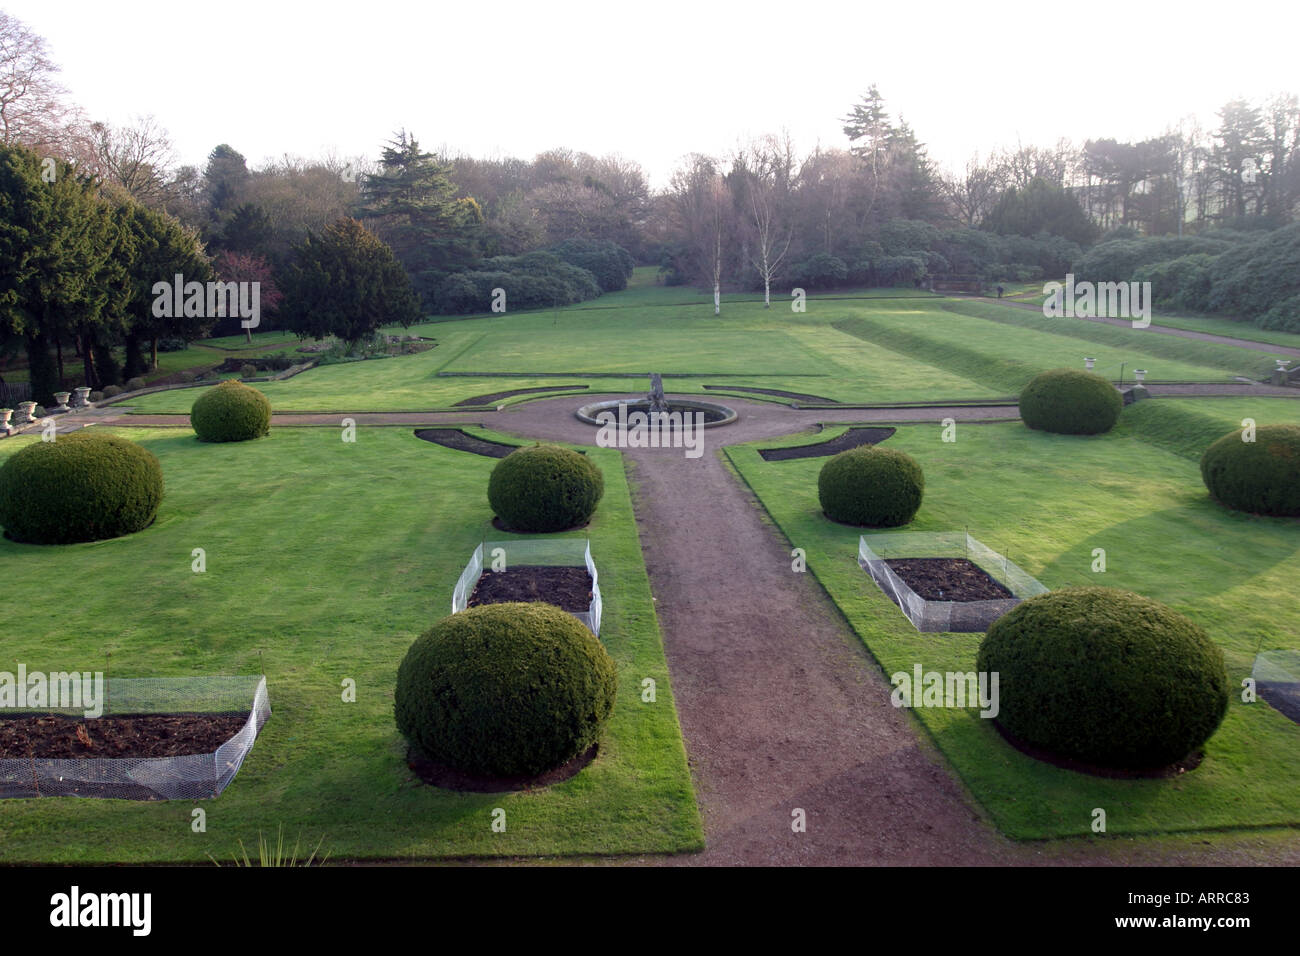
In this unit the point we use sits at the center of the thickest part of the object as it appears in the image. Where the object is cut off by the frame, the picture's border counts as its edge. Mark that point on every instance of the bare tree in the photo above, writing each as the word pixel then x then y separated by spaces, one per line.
pixel 700 205
pixel 764 172
pixel 972 192
pixel 139 158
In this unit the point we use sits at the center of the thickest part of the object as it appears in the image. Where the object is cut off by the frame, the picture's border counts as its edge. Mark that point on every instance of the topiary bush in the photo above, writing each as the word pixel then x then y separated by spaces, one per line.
pixel 231 411
pixel 135 384
pixel 544 488
pixel 247 371
pixel 79 487
pixel 112 391
pixel 1106 677
pixel 1260 476
pixel 869 485
pixel 505 690
pixel 1070 401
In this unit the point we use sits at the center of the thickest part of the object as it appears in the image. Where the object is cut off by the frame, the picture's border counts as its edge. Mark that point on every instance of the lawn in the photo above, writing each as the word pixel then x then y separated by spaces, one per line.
pixel 324 561
pixel 1163 538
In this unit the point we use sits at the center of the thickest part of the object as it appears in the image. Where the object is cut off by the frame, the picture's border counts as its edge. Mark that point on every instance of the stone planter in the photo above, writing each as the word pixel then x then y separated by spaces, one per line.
pixel 81 397
pixel 1140 374
pixel 1088 363
pixel 26 413
pixel 62 399
pixel 5 415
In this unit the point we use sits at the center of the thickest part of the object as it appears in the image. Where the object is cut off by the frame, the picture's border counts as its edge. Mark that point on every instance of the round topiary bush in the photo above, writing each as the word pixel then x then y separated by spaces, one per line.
pixel 247 371
pixel 1260 476
pixel 1070 401
pixel 505 690
pixel 870 485
pixel 134 384
pixel 112 391
pixel 79 487
pixel 1106 677
pixel 231 411
pixel 544 488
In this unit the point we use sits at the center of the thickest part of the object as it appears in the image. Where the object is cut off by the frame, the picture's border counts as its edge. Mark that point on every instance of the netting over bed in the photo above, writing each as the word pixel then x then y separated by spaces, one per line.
pixel 875 550
pixel 525 552
pixel 1277 679
pixel 193 777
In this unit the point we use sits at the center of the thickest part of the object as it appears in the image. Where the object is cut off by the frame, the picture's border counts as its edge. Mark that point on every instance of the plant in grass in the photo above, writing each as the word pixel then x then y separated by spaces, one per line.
pixel 268 855
pixel 505 690
pixel 1070 401
pixel 1260 476
pixel 870 485
pixel 80 487
pixel 541 488
pixel 247 371
pixel 1106 677
pixel 231 411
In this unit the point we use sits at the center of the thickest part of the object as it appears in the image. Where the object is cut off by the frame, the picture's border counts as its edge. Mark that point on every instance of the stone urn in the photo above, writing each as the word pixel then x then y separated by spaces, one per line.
pixel 1088 363
pixel 1139 374
pixel 62 399
pixel 5 415
pixel 81 397
pixel 26 413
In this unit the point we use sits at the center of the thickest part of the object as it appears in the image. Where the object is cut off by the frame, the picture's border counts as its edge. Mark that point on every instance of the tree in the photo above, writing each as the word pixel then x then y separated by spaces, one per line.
pixel 29 94
pixel 1040 207
pixel 346 282
pixel 763 175
pixel 138 158
pixel 972 192
pixel 702 205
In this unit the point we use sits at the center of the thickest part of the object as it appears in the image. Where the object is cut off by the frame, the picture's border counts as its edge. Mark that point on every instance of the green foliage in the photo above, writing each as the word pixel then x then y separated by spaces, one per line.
pixel 872 486
pixel 609 262
pixel 1107 677
pixel 135 384
pixel 79 487
pixel 247 371
pixel 231 411
pixel 1041 207
pixel 505 690
pixel 1260 476
pixel 345 282
pixel 1181 284
pixel 821 271
pixel 536 280
pixel 542 488
pixel 1118 260
pixel 112 391
pixel 1070 401
pixel 1254 276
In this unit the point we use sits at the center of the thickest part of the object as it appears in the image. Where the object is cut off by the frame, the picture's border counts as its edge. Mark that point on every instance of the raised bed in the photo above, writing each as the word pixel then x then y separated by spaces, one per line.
pixel 133 718
pixel 513 559
pixel 1277 679
pixel 945 581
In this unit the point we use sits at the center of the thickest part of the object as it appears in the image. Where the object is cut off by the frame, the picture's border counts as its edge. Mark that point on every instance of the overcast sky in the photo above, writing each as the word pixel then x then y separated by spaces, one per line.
pixel 654 81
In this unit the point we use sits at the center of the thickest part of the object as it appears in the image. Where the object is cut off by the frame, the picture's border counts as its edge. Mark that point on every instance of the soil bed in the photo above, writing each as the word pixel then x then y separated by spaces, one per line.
pixel 853 438
pixel 461 441
pixel 54 736
pixel 497 396
pixel 1284 698
pixel 568 588
pixel 948 579
pixel 438 775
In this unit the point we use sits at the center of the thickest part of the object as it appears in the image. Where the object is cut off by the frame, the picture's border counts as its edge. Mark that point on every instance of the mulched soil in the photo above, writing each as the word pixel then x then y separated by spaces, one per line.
pixel 438 775
pixel 497 396
pixel 1190 762
pixel 779 393
pixel 1284 698
pixel 567 588
pixel 948 579
pixel 54 736
pixel 852 438
pixel 462 441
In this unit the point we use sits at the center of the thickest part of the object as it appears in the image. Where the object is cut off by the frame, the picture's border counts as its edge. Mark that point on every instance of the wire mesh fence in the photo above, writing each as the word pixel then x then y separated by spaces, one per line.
pixel 189 777
pixel 928 614
pixel 1277 680
pixel 531 552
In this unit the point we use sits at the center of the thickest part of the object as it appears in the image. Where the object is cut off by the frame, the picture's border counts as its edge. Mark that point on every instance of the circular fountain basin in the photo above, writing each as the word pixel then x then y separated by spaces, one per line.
pixel 714 414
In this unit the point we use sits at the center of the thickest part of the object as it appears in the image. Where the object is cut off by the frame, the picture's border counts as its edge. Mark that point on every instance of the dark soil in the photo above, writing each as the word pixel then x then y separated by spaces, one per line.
pixel 567 588
pixel 853 438
pixel 1284 698
pixel 497 396
pixel 948 579
pixel 779 393
pixel 54 736
pixel 1190 762
pixel 461 441
pixel 438 775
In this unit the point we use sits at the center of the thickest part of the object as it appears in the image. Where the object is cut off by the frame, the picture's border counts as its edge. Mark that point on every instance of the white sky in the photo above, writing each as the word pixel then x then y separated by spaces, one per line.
pixel 654 81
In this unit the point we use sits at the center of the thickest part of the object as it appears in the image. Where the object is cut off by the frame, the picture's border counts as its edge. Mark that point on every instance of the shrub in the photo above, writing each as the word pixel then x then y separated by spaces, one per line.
pixel 135 384
pixel 505 690
pixel 1070 402
pixel 172 345
pixel 247 371
pixel 1260 476
pixel 1105 676
pixel 879 487
pixel 96 397
pixel 544 488
pixel 112 391
pixel 609 262
pixel 80 487
pixel 231 411
pixel 187 376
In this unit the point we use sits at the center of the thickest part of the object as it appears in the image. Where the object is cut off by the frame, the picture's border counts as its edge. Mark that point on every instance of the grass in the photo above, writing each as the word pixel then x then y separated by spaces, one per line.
pixel 324 561
pixel 1163 537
